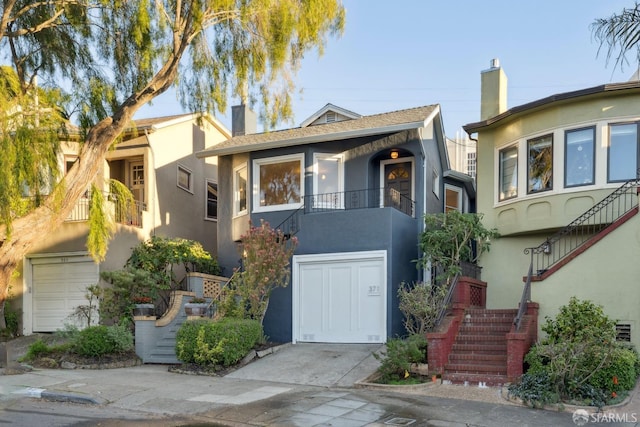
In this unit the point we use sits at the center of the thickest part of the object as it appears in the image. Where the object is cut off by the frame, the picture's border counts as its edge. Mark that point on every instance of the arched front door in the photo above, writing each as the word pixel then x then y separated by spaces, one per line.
pixel 398 182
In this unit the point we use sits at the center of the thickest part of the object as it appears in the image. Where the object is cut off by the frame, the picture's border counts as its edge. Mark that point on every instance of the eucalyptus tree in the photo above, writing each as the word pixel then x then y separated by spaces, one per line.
pixel 619 35
pixel 114 56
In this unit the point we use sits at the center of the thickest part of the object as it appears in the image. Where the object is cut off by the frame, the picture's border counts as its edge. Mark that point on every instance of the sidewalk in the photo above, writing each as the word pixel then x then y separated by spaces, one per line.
pixel 302 385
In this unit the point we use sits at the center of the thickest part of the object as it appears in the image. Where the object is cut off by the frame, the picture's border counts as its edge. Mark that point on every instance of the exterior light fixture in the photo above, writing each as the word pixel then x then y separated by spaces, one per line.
pixel 394 154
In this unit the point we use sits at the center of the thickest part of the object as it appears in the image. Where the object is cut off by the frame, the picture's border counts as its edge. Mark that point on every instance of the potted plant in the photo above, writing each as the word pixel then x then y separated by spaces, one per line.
pixel 196 307
pixel 143 306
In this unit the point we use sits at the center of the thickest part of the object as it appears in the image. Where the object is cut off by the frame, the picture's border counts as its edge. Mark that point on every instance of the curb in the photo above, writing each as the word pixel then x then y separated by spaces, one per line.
pixel 54 396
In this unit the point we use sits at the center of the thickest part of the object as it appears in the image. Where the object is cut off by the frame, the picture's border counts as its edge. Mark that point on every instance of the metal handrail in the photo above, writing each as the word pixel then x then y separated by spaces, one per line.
pixel 359 199
pixel 447 300
pixel 526 297
pixel 604 213
pixel 291 225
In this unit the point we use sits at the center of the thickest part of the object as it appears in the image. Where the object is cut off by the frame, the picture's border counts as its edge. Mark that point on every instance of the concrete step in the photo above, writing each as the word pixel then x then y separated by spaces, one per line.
pixel 475 379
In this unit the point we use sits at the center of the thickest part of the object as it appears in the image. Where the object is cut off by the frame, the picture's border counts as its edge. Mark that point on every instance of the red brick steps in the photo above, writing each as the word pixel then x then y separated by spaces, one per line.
pixel 479 353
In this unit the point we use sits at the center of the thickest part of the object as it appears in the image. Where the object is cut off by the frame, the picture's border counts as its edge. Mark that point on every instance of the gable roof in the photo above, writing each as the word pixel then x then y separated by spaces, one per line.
pixel 324 110
pixel 376 124
pixel 154 123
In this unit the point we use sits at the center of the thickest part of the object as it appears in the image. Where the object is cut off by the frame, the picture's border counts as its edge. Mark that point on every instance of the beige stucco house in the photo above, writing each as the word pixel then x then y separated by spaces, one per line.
pixel 551 166
pixel 176 196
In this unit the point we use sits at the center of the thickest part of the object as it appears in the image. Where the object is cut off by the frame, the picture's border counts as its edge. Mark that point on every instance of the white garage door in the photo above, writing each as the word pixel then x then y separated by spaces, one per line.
pixel 340 297
pixel 59 285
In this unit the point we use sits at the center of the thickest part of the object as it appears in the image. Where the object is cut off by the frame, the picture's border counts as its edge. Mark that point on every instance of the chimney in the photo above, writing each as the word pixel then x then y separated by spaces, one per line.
pixel 493 88
pixel 243 120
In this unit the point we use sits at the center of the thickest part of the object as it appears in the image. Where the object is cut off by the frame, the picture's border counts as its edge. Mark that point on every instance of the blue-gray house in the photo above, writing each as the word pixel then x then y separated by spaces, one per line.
pixel 353 189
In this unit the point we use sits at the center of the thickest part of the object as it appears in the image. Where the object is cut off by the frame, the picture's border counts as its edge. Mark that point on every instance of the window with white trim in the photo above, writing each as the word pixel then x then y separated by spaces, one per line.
pixel 452 198
pixel 436 183
pixel 508 173
pixel 328 186
pixel 579 157
pixel 240 190
pixel 623 152
pixel 211 209
pixel 185 179
pixel 540 164
pixel 278 182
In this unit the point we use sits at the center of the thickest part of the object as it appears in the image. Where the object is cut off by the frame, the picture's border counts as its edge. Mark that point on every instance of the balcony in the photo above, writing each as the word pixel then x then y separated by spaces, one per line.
pixel 124 213
pixel 359 199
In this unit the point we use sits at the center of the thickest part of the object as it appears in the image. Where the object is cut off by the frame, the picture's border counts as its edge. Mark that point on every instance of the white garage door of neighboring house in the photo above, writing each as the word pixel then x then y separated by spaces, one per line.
pixel 58 286
pixel 340 297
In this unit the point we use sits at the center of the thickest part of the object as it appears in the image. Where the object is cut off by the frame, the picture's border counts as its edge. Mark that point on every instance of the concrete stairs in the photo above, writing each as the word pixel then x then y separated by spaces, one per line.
pixel 165 349
pixel 479 352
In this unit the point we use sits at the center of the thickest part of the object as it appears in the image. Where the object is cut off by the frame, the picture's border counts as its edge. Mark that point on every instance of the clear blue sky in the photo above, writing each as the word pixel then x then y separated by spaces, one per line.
pixel 408 53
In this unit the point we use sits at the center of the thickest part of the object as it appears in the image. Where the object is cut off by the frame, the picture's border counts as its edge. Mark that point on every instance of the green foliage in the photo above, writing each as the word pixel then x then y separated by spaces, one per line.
pixel 420 303
pixel 619 34
pixel 150 272
pixel 101 226
pixel 535 389
pixel 266 256
pixel 449 239
pixel 118 300
pixel 37 349
pixel 12 322
pixel 224 342
pixel 97 341
pixel 580 358
pixel 87 314
pixel 396 360
pixel 620 374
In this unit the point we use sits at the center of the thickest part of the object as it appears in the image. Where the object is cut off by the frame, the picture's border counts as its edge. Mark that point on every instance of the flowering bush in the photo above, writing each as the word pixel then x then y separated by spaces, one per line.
pixel 266 255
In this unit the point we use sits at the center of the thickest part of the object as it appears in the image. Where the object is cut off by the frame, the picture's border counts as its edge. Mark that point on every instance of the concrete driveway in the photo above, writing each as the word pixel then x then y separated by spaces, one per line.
pixel 315 364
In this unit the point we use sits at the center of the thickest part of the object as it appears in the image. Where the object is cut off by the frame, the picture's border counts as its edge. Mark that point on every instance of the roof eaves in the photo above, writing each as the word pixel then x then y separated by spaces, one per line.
pixel 336 136
pixel 612 87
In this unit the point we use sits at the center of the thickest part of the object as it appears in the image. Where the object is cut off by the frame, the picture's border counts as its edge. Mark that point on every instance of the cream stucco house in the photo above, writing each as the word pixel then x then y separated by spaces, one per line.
pixel 558 178
pixel 176 196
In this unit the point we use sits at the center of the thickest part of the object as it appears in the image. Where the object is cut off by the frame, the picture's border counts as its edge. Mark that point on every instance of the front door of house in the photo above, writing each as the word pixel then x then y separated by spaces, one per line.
pixel 398 185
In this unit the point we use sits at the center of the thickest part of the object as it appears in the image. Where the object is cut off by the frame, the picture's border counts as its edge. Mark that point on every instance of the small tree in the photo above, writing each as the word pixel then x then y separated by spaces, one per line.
pixel 420 304
pixel 452 237
pixel 266 255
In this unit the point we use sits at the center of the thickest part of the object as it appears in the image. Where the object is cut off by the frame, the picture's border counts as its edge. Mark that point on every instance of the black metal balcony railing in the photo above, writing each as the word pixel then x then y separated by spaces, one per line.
pixel 359 199
pixel 346 200
pixel 604 213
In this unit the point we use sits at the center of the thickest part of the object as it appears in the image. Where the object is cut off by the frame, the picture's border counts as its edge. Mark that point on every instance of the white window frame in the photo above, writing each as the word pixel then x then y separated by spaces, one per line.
pixel 339 158
pixel 257 163
pixel 457 190
pixel 236 190
pixel 182 168
pixel 208 181
pixel 498 170
pixel 436 183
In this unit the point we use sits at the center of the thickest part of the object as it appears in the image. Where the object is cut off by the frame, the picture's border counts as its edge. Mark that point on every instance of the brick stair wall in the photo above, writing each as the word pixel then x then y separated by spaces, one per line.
pixel 479 352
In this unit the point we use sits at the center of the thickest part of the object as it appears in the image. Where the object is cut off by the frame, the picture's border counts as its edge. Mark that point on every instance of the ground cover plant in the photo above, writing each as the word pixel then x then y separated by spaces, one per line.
pixel 396 359
pixel 579 361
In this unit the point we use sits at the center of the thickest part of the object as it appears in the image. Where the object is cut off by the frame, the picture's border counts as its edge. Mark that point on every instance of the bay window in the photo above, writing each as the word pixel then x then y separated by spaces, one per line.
pixel 579 157
pixel 508 173
pixel 540 164
pixel 623 152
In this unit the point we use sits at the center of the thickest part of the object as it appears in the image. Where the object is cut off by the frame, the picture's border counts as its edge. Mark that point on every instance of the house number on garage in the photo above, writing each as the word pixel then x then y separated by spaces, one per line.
pixel 374 290
pixel 63 260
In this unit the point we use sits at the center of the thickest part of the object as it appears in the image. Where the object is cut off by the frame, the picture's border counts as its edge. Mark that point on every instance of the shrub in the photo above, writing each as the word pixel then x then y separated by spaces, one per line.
pixel 535 389
pixel 420 304
pixel 620 374
pixel 121 337
pixel 580 357
pixel 399 355
pixel 37 349
pixel 97 341
pixel 224 342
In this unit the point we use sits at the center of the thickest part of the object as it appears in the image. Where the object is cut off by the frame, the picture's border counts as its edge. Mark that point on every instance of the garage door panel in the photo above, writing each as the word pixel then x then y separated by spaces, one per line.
pixel 59 285
pixel 342 301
